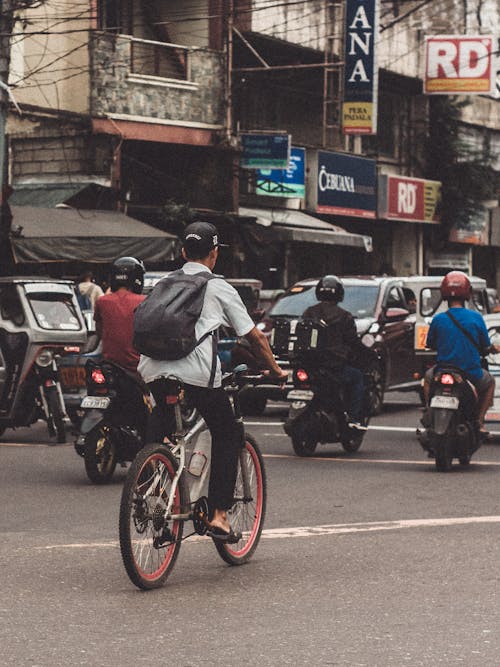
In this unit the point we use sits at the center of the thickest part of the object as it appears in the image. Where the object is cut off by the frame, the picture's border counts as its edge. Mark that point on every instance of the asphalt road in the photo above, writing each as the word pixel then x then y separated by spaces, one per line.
pixel 369 559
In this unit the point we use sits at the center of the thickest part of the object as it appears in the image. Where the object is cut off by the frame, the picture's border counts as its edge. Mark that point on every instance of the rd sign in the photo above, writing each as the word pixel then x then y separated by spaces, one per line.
pixel 459 64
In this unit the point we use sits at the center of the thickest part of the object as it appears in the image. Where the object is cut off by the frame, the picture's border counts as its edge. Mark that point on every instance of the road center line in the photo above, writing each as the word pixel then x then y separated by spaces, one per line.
pixel 317 531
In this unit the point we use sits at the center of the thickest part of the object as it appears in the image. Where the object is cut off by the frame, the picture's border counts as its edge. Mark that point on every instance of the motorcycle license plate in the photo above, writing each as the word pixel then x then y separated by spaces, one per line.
pixel 448 402
pixel 300 395
pixel 99 402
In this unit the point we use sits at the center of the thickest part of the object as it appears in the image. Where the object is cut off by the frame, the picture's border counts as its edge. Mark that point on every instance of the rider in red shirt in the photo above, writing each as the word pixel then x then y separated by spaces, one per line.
pixel 114 313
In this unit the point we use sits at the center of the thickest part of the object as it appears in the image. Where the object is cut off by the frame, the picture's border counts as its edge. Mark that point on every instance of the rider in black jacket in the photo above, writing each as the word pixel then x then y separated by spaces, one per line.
pixel 343 345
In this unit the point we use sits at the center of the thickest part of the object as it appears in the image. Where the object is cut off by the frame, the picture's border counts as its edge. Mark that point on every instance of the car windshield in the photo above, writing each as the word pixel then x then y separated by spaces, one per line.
pixel 359 300
pixel 431 302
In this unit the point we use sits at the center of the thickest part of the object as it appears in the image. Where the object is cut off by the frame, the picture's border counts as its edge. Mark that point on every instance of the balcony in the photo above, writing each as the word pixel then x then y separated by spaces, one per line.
pixel 141 78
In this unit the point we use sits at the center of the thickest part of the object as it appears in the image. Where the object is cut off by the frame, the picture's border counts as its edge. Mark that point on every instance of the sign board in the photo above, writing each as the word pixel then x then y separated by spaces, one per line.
pixel 408 199
pixel 459 64
pixel 359 107
pixel 289 182
pixel 342 184
pixel 265 151
pixel 475 231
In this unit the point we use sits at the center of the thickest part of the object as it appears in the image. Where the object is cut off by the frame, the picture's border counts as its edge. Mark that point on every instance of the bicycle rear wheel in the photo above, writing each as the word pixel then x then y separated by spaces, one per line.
pixel 248 511
pixel 149 541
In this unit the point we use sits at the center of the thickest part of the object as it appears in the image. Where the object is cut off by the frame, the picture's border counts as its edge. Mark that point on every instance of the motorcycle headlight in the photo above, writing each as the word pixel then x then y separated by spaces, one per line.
pixel 45 358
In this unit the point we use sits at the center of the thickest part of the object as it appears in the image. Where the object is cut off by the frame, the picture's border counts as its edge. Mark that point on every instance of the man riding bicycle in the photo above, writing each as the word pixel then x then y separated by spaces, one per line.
pixel 222 306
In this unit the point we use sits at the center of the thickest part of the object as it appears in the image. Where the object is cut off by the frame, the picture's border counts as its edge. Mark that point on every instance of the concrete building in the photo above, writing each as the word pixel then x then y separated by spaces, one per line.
pixel 142 107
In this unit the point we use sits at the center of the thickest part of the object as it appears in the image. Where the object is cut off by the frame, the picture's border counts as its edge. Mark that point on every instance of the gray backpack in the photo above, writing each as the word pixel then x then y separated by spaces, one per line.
pixel 164 323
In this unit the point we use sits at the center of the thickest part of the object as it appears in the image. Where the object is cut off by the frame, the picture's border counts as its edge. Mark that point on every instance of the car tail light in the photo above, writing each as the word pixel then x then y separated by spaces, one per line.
pixel 447 378
pixel 171 400
pixel 302 375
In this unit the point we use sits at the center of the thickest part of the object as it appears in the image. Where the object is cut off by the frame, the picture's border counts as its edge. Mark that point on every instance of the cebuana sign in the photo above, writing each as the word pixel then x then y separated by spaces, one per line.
pixel 459 64
pixel 342 184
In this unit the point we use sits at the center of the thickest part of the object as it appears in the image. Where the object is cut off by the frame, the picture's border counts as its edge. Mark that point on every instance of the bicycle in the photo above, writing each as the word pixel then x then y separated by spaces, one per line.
pixel 158 499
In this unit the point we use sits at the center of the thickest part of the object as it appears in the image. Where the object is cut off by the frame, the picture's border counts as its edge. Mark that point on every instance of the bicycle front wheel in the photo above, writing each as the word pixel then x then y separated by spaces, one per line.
pixel 249 505
pixel 149 540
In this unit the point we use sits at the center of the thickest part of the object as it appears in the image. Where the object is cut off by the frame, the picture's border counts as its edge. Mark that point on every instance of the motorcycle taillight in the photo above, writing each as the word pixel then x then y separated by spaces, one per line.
pixel 302 375
pixel 447 378
pixel 97 376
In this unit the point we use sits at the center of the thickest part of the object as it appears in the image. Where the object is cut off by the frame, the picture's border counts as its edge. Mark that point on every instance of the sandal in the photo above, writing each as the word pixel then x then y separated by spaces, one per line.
pixel 221 535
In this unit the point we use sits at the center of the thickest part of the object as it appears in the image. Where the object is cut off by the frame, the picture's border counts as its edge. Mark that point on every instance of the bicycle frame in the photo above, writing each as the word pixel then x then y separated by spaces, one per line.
pixel 178 448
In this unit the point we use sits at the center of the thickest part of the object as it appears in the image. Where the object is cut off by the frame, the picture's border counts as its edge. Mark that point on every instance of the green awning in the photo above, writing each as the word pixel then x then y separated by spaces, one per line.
pixel 67 234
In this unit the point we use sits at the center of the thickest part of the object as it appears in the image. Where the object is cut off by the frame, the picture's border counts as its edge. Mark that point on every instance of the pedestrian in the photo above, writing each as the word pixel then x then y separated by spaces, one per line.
pixel 89 288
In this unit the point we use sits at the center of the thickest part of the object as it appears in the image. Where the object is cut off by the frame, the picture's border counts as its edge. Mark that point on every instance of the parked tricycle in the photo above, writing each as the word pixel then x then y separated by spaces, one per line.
pixel 40 321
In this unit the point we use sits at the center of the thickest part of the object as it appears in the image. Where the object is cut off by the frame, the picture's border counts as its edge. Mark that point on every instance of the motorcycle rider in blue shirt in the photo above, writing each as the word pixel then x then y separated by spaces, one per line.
pixel 454 347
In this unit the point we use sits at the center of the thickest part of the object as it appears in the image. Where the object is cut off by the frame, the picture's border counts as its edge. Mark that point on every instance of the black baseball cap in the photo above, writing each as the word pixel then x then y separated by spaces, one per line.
pixel 200 238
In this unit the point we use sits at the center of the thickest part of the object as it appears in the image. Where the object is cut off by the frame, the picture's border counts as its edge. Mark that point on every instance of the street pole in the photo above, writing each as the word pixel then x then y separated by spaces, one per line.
pixel 6 25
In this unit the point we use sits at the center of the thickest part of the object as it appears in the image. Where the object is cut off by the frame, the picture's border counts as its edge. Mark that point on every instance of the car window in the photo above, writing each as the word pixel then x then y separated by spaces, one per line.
pixel 294 303
pixel 430 300
pixel 395 299
pixel 11 307
pixel 359 300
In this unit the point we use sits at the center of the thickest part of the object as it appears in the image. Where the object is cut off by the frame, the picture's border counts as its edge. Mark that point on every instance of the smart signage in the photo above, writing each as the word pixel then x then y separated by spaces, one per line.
pixel 287 182
pixel 265 151
pixel 359 108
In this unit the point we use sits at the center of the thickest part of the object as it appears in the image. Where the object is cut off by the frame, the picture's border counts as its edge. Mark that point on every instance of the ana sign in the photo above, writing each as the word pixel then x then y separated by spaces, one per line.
pixel 359 109
pixel 411 199
pixel 459 64
pixel 342 184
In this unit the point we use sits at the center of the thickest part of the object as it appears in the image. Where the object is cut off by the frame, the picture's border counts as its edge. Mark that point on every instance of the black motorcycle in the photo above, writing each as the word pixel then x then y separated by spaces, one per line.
pixel 450 423
pixel 317 412
pixel 113 429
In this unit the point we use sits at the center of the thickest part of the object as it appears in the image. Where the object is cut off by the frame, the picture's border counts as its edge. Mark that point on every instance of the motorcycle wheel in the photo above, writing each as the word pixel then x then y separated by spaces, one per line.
pixel 99 456
pixel 464 460
pixel 302 445
pixel 444 455
pixel 56 414
pixel 352 444
pixel 376 391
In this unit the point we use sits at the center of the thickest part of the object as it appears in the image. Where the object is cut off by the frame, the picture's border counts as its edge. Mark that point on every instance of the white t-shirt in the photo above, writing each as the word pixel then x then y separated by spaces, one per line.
pixel 222 307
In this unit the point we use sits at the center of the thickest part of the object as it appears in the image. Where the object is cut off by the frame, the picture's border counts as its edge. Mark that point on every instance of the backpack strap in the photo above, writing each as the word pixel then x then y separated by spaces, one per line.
pixel 465 332
pixel 215 340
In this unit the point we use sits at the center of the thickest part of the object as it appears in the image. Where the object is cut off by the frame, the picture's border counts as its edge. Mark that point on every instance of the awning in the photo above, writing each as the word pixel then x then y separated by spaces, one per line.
pixel 65 235
pixel 80 194
pixel 291 225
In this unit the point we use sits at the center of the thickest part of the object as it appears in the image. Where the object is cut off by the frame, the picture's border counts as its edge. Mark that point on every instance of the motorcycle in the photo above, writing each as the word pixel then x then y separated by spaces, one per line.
pixel 40 321
pixel 116 411
pixel 317 412
pixel 451 427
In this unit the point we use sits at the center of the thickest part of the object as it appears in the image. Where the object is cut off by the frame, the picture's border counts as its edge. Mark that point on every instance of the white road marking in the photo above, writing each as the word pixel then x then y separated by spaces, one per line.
pixel 317 531
pixel 350 459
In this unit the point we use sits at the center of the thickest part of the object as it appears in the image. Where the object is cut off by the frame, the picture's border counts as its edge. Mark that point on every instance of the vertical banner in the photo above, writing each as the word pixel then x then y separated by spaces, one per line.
pixel 359 108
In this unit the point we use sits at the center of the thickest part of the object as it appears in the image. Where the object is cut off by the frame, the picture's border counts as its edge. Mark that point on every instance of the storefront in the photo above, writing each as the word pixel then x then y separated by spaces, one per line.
pixel 409 204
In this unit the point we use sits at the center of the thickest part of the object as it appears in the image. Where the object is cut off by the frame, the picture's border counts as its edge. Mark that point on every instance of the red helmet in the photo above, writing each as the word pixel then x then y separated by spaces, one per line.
pixel 457 285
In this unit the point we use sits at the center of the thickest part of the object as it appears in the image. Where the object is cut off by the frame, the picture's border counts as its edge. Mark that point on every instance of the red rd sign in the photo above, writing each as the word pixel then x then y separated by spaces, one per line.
pixel 459 64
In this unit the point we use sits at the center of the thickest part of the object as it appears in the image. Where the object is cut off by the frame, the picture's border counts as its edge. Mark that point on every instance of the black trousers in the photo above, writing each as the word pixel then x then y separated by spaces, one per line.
pixel 215 408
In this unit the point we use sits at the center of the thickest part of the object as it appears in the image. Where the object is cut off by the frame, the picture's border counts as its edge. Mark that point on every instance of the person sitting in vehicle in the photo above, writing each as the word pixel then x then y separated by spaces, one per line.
pixel 343 344
pixel 114 313
pixel 460 339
